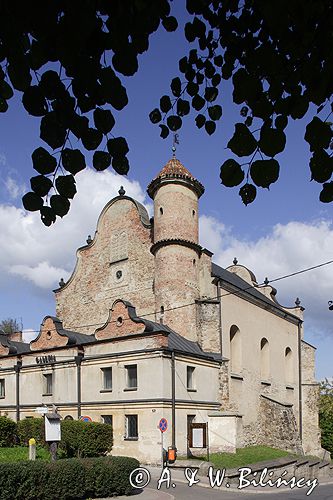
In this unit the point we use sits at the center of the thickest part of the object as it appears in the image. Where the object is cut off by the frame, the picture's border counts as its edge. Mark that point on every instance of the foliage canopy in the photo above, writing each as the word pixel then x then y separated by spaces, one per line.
pixel 326 415
pixel 66 58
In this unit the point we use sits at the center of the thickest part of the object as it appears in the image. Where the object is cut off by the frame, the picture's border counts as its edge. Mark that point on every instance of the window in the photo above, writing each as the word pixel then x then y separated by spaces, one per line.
pixel 107 379
pixel 107 419
pixel 288 360
pixel 190 378
pixel 235 350
pixel 264 359
pixel 48 384
pixel 2 388
pixel 131 377
pixel 131 426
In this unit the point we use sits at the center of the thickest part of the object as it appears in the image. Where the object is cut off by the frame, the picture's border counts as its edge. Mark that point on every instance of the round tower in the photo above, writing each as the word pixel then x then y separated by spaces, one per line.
pixel 175 193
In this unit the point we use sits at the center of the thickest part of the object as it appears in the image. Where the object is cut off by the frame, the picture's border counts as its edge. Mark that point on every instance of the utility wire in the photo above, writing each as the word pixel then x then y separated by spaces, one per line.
pixel 240 290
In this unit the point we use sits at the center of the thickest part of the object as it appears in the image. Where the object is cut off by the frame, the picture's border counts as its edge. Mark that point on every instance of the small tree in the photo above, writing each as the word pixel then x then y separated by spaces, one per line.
pixel 10 325
pixel 326 414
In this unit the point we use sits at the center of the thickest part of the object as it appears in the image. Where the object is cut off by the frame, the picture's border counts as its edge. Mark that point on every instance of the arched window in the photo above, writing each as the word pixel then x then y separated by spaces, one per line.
pixel 264 359
pixel 288 366
pixel 235 350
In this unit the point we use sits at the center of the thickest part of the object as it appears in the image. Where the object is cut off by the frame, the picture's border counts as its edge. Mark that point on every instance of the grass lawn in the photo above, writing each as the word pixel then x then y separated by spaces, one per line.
pixel 19 453
pixel 244 456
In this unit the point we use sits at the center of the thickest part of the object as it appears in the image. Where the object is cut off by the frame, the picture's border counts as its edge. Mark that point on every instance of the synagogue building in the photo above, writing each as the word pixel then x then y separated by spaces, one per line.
pixel 149 327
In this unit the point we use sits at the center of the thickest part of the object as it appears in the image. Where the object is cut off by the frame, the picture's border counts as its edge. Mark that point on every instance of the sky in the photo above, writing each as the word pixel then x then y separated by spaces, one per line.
pixel 285 230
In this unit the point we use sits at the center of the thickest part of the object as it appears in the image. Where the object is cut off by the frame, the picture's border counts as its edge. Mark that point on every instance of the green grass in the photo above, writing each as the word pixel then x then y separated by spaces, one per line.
pixel 243 456
pixel 19 453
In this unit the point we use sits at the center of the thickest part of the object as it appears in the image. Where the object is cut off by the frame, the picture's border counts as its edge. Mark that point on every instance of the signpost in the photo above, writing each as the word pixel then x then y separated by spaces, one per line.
pixel 163 427
pixel 52 432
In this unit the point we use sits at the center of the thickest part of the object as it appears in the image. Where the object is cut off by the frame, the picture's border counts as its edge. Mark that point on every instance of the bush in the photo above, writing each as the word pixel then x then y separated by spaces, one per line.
pixel 84 439
pixel 31 428
pixel 7 432
pixel 71 479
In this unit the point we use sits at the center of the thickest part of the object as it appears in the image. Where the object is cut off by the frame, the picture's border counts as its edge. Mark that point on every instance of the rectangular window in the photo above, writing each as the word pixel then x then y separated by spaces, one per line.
pixel 107 379
pixel 2 388
pixel 190 377
pixel 107 419
pixel 131 376
pixel 48 383
pixel 131 426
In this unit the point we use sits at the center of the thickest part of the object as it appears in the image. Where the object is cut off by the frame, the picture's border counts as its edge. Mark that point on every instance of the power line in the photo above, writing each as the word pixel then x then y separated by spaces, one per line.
pixel 240 290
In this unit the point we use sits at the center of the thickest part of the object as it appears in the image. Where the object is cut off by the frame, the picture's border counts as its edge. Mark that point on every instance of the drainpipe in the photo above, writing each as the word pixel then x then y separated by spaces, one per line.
pixel 78 361
pixel 218 290
pixel 17 369
pixel 173 398
pixel 300 382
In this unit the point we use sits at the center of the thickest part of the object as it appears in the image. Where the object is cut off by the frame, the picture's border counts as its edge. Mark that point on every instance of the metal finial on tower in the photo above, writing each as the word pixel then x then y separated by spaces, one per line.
pixel 297 302
pixel 266 281
pixel 89 240
pixel 235 261
pixel 121 191
pixel 175 141
pixel 62 283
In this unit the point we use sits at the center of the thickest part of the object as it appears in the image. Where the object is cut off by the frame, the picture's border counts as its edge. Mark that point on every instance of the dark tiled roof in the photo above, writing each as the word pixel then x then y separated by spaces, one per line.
pixel 74 338
pixel 178 343
pixel 238 282
pixel 14 347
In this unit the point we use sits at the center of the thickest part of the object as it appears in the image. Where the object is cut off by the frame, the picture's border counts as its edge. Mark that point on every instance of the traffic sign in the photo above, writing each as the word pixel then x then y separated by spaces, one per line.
pixel 86 418
pixel 163 424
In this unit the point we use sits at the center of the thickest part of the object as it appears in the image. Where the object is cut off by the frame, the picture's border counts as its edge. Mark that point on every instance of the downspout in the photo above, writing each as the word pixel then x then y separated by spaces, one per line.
pixel 218 289
pixel 300 401
pixel 17 369
pixel 173 399
pixel 78 361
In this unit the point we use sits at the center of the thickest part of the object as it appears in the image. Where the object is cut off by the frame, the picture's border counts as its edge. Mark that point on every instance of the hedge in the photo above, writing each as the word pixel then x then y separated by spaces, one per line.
pixel 84 439
pixel 70 479
pixel 78 439
pixel 31 428
pixel 7 432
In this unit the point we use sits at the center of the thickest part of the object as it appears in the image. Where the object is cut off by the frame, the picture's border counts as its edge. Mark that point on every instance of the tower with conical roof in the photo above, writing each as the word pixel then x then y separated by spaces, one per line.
pixel 175 193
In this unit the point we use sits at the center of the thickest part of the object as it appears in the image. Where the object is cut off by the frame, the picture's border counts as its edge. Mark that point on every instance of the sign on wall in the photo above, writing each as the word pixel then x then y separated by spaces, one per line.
pixel 198 435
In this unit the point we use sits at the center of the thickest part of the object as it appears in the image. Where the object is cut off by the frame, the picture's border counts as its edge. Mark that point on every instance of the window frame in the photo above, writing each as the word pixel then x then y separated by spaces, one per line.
pixel 190 370
pixel 104 371
pixel 2 388
pixel 129 437
pixel 130 387
pixel 46 384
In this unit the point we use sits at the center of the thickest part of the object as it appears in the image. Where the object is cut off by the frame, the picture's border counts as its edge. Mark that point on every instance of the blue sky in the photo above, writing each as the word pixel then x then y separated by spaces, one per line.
pixel 284 230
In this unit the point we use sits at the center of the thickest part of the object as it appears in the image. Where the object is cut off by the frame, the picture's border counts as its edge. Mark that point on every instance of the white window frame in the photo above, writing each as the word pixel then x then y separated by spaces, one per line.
pixel 105 385
pixel 129 382
pixel 190 378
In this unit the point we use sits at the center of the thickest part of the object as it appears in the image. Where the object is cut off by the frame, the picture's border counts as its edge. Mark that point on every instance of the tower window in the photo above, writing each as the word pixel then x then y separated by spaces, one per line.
pixel 193 213
pixel 161 211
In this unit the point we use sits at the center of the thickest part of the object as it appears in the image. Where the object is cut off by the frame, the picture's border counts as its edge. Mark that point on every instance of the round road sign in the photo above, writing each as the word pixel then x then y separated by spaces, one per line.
pixel 163 424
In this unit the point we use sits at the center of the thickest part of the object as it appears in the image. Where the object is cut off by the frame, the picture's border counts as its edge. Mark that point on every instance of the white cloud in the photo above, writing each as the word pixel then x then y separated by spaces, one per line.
pixel 42 254
pixel 29 335
pixel 288 248
pixel 14 189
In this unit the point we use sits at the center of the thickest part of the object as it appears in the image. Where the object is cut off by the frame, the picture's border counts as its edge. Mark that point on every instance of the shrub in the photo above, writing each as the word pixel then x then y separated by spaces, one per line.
pixel 31 428
pixel 71 479
pixel 84 439
pixel 7 432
